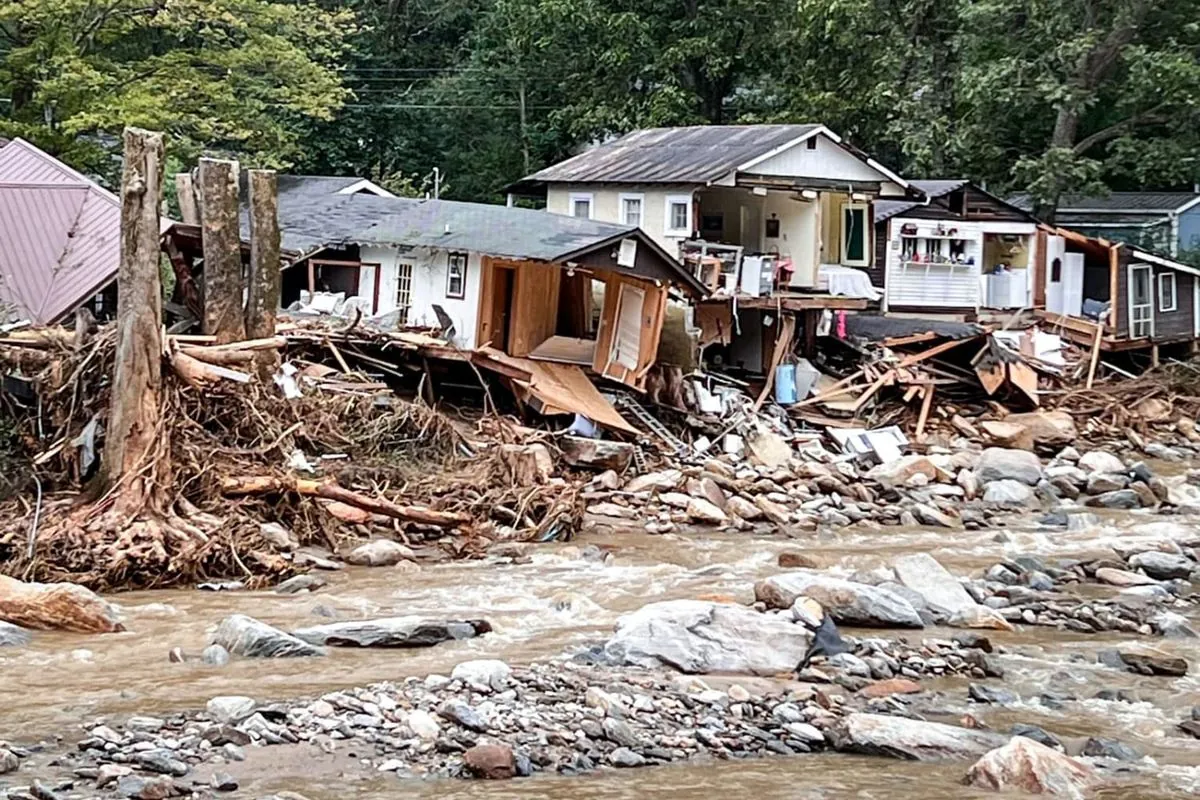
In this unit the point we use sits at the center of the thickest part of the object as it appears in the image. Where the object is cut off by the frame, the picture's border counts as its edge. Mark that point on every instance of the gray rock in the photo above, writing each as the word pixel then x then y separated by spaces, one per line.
pixel 697 636
pixel 1163 566
pixel 1148 663
pixel 847 602
pixel 1099 747
pixel 223 782
pixel 460 713
pixel 391 632
pixel 14 635
pixel 1172 625
pixel 1101 482
pixel 624 757
pixel 620 732
pixel 248 637
pixel 1098 461
pixel 8 761
pixel 875 734
pixel 998 464
pixel 488 672
pixel 380 553
pixel 1007 492
pixel 942 592
pixel 162 761
pixel 1038 735
pixel 982 693
pixel 230 708
pixel 1123 499
pixel 139 788
pixel 301 583
pixel 215 655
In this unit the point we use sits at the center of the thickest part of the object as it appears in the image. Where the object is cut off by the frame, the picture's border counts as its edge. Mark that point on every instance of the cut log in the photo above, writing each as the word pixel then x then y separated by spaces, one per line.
pixel 213 355
pixel 185 192
pixel 133 422
pixel 56 607
pixel 259 484
pixel 264 282
pixel 596 454
pixel 200 374
pixel 223 284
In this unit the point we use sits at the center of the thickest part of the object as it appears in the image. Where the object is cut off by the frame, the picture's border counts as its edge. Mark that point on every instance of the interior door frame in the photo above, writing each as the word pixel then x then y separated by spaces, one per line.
pixel 1148 271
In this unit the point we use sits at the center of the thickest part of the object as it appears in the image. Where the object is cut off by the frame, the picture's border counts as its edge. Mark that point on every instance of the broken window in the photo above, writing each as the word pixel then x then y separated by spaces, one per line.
pixel 456 276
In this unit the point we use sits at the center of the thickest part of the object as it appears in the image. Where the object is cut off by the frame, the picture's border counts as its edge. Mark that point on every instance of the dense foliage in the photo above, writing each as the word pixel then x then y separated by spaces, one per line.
pixel 1045 96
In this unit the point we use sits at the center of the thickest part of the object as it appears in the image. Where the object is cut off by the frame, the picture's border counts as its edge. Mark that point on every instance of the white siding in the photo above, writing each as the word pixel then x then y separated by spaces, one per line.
pixel 429 275
pixel 798 238
pixel 827 161
pixel 606 206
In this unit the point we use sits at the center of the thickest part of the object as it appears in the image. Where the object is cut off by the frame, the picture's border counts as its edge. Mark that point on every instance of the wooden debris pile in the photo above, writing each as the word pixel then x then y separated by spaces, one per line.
pixel 925 379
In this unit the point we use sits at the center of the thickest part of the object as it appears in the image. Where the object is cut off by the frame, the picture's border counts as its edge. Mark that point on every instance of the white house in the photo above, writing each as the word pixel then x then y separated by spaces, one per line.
pixel 796 195
pixel 520 281
pixel 961 249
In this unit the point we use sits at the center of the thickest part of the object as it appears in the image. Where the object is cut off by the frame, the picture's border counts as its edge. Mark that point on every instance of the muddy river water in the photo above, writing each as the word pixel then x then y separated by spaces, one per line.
pixel 562 601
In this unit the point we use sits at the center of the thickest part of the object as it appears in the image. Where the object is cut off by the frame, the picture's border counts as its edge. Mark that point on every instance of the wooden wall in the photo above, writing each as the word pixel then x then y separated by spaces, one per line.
pixel 1169 326
pixel 878 269
pixel 654 306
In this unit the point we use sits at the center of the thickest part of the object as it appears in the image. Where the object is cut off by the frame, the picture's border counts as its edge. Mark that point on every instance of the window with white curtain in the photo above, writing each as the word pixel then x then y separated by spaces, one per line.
pixel 631 209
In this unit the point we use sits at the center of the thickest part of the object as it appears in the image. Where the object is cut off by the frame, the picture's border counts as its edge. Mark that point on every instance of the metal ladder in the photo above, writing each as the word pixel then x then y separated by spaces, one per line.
pixel 628 403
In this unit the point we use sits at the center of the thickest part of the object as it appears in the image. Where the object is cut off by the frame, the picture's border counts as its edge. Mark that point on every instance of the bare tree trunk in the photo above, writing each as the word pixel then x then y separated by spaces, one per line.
pixel 137 381
pixel 185 191
pixel 223 284
pixel 264 281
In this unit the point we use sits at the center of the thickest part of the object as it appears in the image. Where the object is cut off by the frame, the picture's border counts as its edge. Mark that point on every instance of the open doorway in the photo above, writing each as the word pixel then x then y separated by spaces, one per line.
pixel 500 314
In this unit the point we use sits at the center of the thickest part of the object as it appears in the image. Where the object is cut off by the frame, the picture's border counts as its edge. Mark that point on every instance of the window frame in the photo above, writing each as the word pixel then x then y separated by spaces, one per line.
pixel 641 201
pixel 1174 291
pixel 582 197
pixel 669 228
pixel 865 261
pixel 404 283
pixel 451 258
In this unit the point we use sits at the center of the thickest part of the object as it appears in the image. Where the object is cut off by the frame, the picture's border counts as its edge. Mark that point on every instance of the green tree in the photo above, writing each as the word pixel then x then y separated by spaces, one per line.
pixel 222 75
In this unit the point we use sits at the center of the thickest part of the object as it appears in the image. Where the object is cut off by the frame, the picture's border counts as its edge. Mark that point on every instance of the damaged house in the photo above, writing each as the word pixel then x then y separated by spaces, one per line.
pixel 774 220
pixel 516 283
pixel 960 250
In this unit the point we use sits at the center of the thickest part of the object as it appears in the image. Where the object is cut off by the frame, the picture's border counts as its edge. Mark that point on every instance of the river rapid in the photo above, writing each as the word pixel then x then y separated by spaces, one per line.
pixel 564 599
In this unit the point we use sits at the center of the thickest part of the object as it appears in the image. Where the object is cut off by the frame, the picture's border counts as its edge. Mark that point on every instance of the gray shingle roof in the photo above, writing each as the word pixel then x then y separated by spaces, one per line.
pixel 886 209
pixel 694 154
pixel 1115 202
pixel 310 223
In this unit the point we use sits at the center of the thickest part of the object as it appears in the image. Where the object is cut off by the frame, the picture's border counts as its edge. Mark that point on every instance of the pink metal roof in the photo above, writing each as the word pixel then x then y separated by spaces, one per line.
pixel 60 236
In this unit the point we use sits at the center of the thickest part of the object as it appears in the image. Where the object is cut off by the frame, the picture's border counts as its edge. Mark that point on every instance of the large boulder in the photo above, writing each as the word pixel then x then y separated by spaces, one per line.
pixel 916 740
pixel 943 594
pixel 1024 765
pixel 56 607
pixel 596 453
pixel 1164 566
pixel 1008 492
pixel 696 636
pixel 380 553
pixel 899 471
pixel 249 637
pixel 1098 461
pixel 1046 428
pixel 490 761
pixel 849 603
pixel 1000 464
pixel 391 632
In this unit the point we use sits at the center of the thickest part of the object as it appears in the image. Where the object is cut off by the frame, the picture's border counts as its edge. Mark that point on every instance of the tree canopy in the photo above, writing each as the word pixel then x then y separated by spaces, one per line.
pixel 1039 96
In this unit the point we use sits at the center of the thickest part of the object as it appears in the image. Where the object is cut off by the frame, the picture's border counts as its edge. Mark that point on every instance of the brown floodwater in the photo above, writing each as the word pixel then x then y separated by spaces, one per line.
pixel 561 601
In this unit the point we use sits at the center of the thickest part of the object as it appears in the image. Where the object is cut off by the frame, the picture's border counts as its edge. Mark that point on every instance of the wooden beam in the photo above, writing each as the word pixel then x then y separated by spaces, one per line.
pixel 223 283
pixel 926 404
pixel 185 193
pixel 1095 359
pixel 916 358
pixel 264 282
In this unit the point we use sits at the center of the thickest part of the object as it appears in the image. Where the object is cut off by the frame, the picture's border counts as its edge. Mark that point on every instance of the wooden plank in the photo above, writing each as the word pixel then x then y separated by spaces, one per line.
pixel 992 377
pixel 1024 378
pixel 900 341
pixel 1095 359
pixel 912 391
pixel 565 389
pixel 783 346
pixel 1114 289
pixel 566 350
pixel 916 358
pixel 871 390
pixel 926 404
pixel 838 389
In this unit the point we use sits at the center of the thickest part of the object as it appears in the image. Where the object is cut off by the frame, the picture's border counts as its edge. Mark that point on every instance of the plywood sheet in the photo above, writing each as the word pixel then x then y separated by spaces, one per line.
pixel 566 350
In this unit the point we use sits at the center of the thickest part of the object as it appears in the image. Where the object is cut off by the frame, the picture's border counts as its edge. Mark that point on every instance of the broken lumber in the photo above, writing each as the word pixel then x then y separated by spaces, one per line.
pixel 221 238
pixel 263 484
pixel 201 374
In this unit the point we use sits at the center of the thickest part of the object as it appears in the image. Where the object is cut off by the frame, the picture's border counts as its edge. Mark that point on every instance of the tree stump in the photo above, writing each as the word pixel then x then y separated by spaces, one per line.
pixel 264 282
pixel 221 238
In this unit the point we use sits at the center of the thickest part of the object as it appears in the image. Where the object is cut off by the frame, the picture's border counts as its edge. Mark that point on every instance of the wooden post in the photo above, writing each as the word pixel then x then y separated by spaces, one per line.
pixel 223 284
pixel 263 297
pixel 185 191
pixel 137 380
pixel 1154 361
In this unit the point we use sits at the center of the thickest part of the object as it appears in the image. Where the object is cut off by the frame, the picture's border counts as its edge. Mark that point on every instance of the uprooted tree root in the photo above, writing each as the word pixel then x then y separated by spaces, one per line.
pixel 188 527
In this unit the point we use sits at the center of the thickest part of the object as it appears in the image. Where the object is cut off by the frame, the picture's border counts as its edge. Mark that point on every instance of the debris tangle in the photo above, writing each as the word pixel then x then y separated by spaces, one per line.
pixel 342 462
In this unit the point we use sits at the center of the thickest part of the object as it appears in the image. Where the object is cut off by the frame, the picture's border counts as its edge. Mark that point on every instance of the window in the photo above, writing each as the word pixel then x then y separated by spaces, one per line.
pixel 631 209
pixel 581 206
pixel 456 276
pixel 1166 292
pixel 855 233
pixel 679 215
pixel 1056 271
pixel 403 292
pixel 811 143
